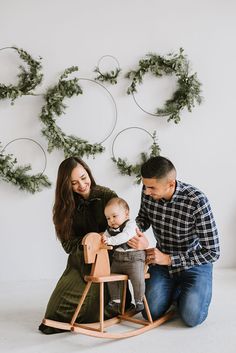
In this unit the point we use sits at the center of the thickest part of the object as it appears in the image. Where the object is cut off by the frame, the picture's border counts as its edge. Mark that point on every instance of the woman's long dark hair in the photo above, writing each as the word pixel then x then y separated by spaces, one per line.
pixel 64 206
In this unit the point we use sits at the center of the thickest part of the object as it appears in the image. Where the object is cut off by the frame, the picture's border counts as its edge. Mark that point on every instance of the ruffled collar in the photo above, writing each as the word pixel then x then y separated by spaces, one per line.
pixel 81 202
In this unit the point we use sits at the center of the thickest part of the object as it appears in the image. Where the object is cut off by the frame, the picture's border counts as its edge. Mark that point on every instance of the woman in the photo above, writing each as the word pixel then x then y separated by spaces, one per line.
pixel 78 210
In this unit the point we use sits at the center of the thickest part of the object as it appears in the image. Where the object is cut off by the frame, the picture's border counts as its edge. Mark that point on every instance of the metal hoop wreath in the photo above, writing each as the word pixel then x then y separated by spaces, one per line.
pixel 128 169
pixel 16 175
pixel 54 107
pixel 188 86
pixel 32 140
pixel 27 80
pixel 128 128
pixel 110 76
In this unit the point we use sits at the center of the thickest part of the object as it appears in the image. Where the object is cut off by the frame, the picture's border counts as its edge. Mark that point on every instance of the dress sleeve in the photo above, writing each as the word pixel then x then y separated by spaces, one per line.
pixel 71 245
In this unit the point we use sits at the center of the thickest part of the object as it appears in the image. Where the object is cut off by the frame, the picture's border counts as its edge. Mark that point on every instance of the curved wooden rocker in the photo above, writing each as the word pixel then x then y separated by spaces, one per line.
pixel 96 253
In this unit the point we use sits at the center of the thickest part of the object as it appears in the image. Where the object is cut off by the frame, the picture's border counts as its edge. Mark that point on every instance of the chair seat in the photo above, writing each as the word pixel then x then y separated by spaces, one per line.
pixel 110 278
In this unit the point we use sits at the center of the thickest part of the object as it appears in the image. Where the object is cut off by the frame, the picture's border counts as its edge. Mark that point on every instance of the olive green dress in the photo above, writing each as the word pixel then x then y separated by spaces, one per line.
pixel 89 217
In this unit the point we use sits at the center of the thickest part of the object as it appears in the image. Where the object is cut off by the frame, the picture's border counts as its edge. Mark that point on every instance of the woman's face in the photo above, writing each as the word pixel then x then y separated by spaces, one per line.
pixel 80 181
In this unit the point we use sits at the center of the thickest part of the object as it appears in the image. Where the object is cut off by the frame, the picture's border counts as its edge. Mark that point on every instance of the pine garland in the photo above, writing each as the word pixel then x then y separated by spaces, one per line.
pixel 54 107
pixel 16 175
pixel 110 77
pixel 125 168
pixel 188 91
pixel 27 79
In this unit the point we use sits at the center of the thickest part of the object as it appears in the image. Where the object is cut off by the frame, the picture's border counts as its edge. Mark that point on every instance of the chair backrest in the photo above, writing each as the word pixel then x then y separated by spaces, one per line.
pixel 95 252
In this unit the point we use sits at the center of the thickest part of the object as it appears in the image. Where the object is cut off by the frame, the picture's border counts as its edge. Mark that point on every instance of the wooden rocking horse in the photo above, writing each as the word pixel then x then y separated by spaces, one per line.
pixel 96 253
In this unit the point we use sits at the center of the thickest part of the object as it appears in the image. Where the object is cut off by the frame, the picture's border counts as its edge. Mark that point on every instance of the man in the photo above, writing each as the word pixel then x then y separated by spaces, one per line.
pixel 186 243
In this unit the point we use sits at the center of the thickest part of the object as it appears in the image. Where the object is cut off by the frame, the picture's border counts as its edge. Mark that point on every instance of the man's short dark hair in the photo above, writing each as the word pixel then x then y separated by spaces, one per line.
pixel 157 167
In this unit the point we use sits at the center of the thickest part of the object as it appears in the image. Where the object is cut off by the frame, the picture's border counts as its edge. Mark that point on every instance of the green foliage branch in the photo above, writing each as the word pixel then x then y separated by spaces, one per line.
pixel 188 86
pixel 55 107
pixel 28 80
pixel 110 76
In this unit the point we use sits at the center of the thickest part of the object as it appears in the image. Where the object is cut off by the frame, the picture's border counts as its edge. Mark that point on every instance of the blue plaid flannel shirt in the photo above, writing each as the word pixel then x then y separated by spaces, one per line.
pixel 184 227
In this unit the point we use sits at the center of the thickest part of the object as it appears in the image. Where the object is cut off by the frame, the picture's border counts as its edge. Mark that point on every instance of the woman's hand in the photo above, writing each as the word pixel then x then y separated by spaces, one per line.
pixel 139 241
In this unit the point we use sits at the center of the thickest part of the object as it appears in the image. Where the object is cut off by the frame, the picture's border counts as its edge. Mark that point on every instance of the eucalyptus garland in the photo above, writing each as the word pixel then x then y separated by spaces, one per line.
pixel 11 173
pixel 188 90
pixel 109 76
pixel 54 107
pixel 27 79
pixel 125 168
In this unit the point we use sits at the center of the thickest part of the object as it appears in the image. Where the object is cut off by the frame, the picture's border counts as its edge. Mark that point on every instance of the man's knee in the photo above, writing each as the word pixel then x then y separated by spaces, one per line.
pixel 193 320
pixel 193 316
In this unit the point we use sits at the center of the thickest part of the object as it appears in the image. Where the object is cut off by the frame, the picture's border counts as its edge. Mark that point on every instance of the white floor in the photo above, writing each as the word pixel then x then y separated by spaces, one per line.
pixel 22 306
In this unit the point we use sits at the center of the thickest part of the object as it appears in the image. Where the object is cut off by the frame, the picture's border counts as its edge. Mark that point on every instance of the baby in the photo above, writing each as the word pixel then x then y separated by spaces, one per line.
pixel 125 259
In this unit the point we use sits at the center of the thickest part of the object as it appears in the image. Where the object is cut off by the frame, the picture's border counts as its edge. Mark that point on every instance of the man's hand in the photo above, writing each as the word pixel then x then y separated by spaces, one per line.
pixel 155 256
pixel 139 241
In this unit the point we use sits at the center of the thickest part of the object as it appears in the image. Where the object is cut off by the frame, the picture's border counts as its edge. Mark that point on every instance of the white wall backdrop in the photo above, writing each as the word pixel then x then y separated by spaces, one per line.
pixel 76 32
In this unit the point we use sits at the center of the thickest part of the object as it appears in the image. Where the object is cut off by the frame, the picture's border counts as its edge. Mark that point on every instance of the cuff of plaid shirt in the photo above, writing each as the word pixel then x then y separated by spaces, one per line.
pixel 177 260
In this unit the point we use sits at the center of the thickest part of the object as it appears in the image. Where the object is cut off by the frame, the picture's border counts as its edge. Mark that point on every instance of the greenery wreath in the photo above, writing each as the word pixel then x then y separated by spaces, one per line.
pixel 17 175
pixel 27 79
pixel 124 167
pixel 188 90
pixel 54 107
pixel 110 76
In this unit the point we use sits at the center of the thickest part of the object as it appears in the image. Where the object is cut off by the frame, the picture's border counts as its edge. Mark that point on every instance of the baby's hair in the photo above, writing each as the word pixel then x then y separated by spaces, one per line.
pixel 118 201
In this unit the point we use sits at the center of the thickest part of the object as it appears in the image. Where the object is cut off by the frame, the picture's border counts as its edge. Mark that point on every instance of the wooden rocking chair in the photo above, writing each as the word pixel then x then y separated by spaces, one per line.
pixel 96 253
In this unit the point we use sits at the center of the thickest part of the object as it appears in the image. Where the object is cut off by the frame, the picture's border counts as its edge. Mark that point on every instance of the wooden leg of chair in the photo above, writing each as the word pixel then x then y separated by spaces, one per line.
pixel 147 309
pixel 101 306
pixel 124 297
pixel 88 285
